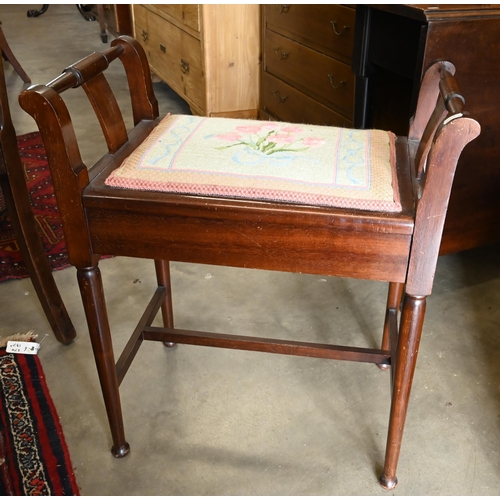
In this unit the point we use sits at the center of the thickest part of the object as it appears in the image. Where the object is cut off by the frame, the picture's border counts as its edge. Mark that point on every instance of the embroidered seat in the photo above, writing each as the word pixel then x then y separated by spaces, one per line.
pixel 266 161
pixel 253 194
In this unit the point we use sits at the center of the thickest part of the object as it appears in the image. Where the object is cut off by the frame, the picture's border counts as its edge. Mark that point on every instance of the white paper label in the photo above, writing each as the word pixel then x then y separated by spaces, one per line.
pixel 17 347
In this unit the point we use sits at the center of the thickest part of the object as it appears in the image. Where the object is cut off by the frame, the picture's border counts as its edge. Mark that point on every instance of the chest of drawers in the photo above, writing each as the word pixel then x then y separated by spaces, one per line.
pixel 208 54
pixel 306 72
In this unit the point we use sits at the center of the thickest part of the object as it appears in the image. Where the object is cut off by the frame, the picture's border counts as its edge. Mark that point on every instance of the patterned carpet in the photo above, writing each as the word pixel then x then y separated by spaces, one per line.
pixel 34 458
pixel 45 210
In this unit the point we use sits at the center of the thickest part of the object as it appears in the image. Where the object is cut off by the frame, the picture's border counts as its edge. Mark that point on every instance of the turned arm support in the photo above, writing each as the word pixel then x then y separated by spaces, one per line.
pixel 84 70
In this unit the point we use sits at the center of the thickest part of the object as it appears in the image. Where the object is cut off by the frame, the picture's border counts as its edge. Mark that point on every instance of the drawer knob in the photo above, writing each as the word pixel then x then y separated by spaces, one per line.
pixel 341 32
pixel 282 55
pixel 144 35
pixel 283 8
pixel 340 84
pixel 184 66
pixel 277 97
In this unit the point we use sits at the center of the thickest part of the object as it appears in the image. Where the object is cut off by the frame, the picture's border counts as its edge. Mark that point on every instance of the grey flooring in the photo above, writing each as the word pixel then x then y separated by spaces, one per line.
pixel 204 421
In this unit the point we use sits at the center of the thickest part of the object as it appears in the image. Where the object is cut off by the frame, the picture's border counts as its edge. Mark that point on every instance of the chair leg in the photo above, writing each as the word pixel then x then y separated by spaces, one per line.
pixel 46 288
pixel 163 277
pixel 92 292
pixel 102 23
pixel 412 320
pixel 394 298
pixel 9 55
pixel 37 13
pixel 25 227
pixel 167 312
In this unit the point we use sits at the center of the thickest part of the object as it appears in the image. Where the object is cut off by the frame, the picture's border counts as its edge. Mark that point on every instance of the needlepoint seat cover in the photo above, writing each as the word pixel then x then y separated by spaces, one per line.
pixel 229 157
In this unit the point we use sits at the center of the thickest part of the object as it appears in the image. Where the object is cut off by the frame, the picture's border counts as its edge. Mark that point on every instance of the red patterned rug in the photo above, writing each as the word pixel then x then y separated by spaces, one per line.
pixel 34 458
pixel 45 210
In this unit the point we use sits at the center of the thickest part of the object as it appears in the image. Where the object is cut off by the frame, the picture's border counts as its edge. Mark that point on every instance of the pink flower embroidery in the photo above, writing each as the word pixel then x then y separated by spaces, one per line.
pixel 270 126
pixel 270 138
pixel 230 136
pixel 281 138
pixel 313 142
pixel 292 130
pixel 249 129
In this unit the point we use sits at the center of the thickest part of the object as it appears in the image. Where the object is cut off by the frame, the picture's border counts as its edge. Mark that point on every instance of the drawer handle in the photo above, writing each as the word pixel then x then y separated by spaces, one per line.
pixel 144 35
pixel 341 32
pixel 281 56
pixel 184 66
pixel 163 48
pixel 336 87
pixel 277 97
pixel 283 8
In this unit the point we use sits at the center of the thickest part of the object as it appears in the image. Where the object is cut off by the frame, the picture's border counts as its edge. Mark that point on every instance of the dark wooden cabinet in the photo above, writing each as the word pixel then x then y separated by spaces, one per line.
pixel 394 45
pixel 381 52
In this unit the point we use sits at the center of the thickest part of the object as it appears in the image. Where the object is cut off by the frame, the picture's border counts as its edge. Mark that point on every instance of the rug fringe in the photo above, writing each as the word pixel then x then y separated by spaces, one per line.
pixel 19 337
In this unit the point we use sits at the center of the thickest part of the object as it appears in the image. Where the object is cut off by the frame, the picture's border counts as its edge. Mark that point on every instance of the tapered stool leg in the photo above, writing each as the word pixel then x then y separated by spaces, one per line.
pixel 167 311
pixel 163 277
pixel 91 289
pixel 412 320
pixel 394 297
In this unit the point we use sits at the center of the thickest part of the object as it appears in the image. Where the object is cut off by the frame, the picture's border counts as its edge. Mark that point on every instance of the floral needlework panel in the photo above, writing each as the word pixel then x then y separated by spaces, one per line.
pixel 276 161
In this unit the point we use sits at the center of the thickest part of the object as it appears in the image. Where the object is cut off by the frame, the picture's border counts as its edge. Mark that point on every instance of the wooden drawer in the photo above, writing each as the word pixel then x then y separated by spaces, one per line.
pixel 283 102
pixel 176 57
pixel 318 75
pixel 326 28
pixel 186 14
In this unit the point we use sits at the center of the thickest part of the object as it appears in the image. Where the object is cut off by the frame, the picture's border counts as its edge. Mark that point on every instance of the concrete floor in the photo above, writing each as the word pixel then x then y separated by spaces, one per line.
pixel 204 421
